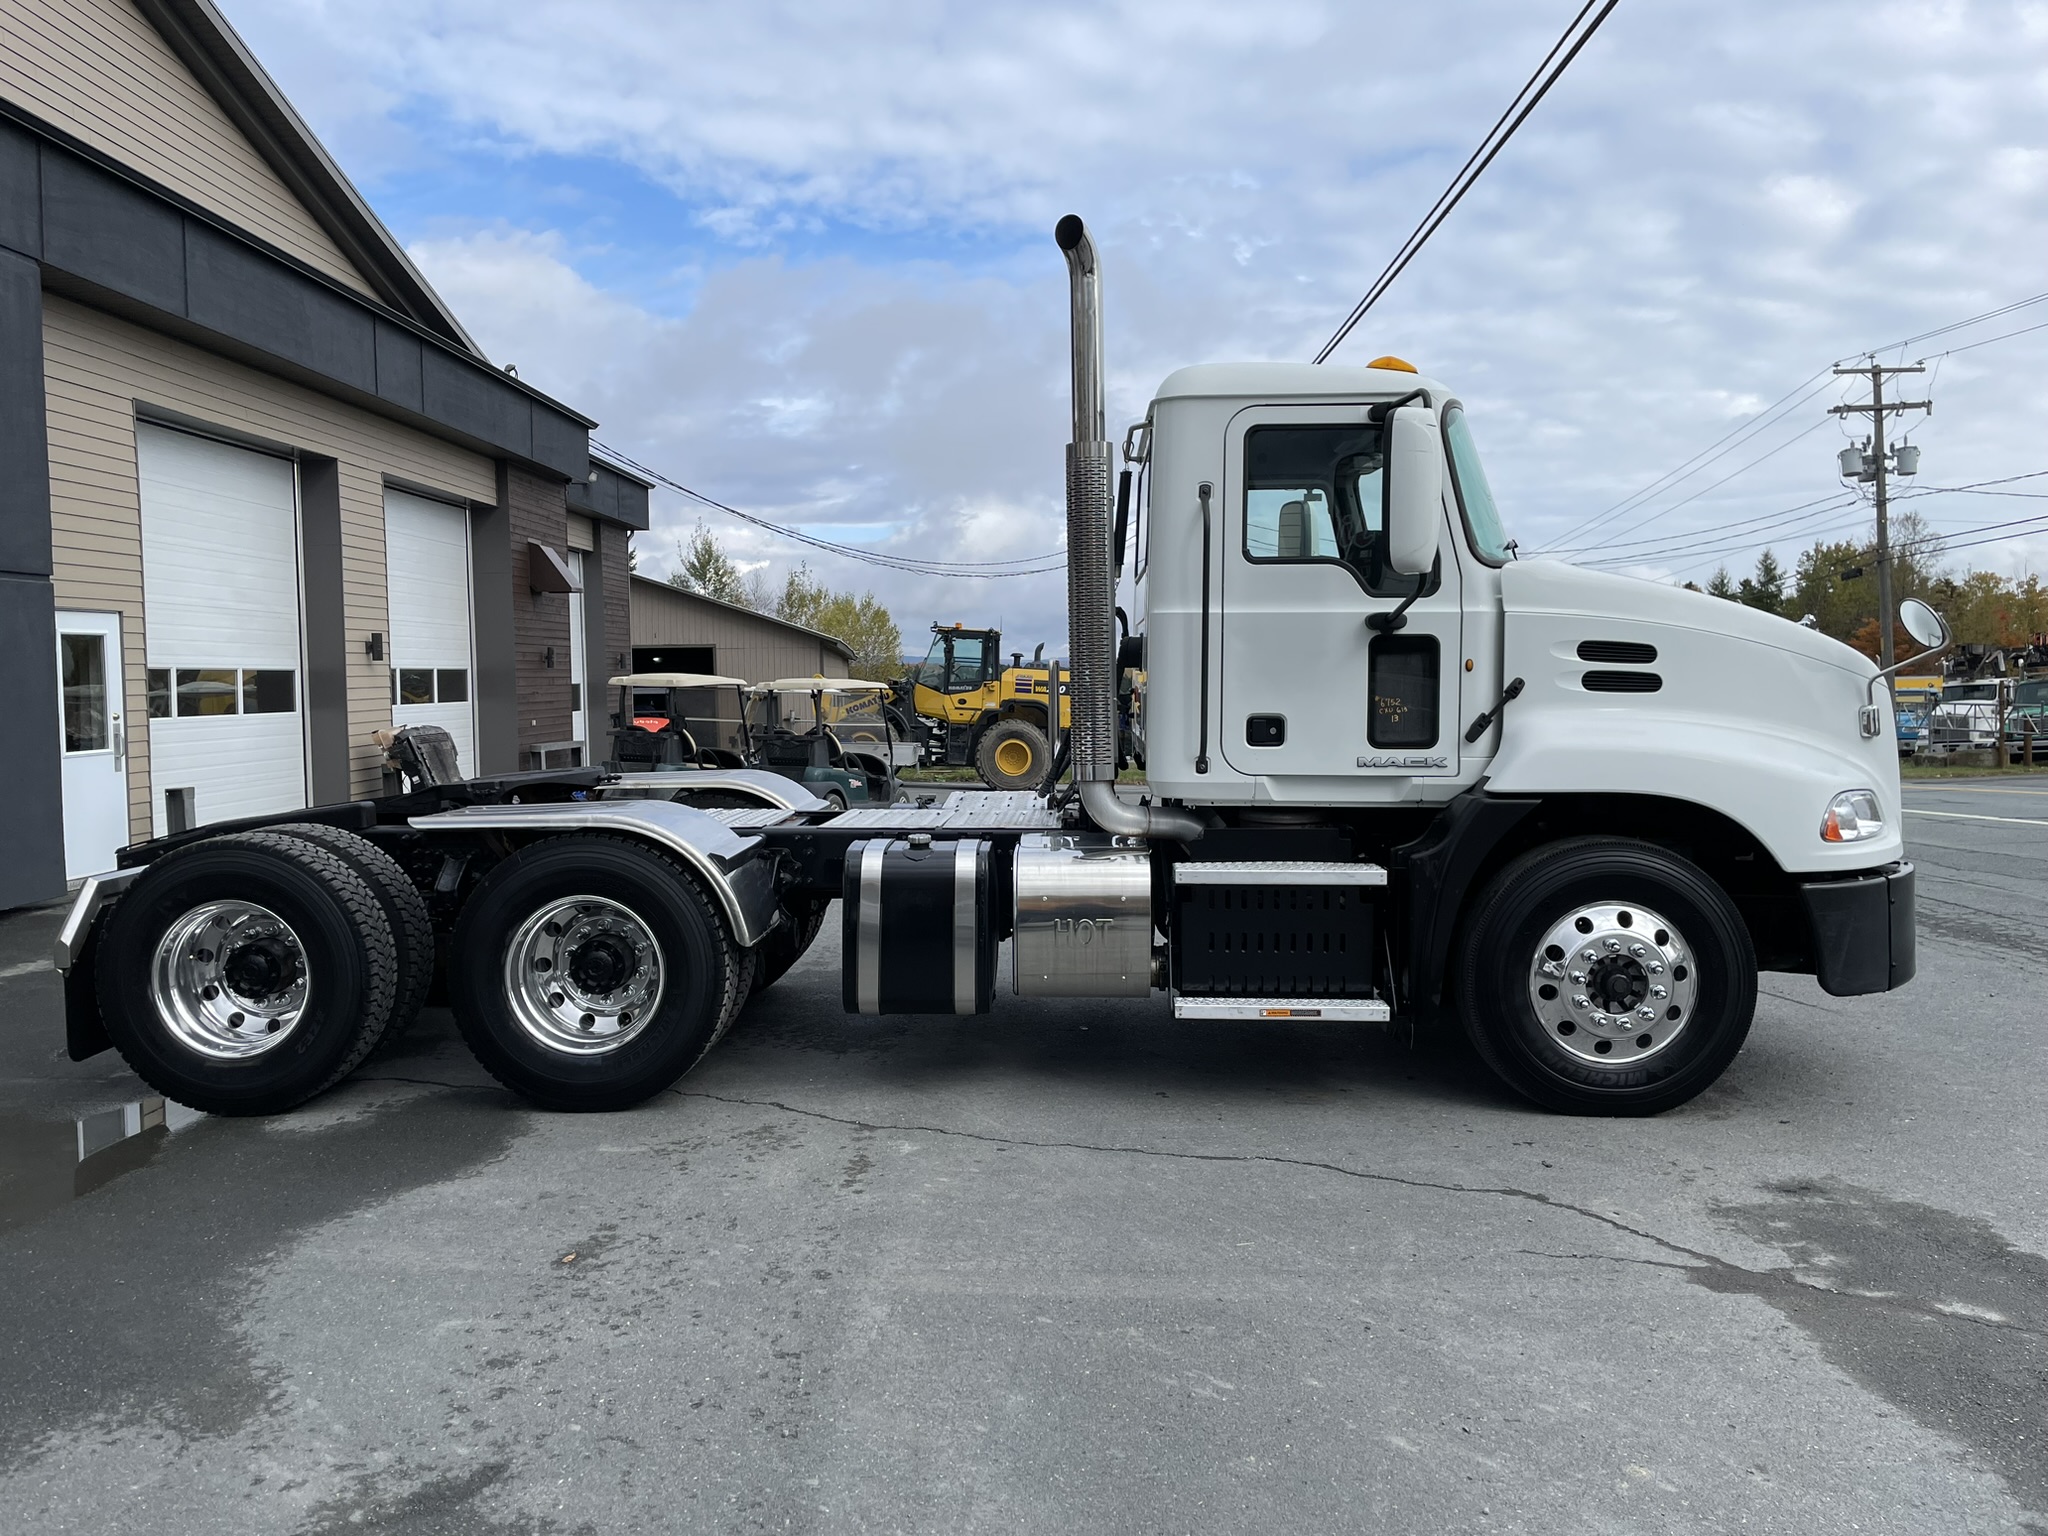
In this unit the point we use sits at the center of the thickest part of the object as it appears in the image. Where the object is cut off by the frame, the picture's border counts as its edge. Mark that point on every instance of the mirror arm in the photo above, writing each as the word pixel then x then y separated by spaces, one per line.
pixel 1892 671
pixel 1387 623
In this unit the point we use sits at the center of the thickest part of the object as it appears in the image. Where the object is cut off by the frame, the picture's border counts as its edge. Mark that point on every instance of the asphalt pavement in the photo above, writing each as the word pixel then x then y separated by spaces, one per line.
pixel 1067 1268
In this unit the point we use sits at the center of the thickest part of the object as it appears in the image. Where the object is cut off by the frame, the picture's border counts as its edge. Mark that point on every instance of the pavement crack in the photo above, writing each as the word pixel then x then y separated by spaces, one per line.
pixel 1496 1191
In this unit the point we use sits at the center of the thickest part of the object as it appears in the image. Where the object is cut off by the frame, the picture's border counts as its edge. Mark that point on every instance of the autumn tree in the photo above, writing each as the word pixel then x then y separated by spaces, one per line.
pixel 862 622
pixel 703 567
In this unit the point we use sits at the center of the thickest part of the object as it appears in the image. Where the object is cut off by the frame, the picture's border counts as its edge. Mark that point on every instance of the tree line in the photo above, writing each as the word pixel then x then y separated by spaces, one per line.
pixel 703 567
pixel 1835 582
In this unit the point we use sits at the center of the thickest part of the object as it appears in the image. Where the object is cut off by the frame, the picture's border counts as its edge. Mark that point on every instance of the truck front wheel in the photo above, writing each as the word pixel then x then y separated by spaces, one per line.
pixel 589 973
pixel 1603 976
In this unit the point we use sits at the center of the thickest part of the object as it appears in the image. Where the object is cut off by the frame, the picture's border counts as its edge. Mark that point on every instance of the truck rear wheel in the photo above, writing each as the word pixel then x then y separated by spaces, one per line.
pixel 1602 976
pixel 243 974
pixel 590 972
pixel 405 909
pixel 1012 754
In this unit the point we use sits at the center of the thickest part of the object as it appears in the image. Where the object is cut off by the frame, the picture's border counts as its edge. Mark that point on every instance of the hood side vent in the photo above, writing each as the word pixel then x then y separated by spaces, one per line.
pixel 1620 653
pixel 1622 682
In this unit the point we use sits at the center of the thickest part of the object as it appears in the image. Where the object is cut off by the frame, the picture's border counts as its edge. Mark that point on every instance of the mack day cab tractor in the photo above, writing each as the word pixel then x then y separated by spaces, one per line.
pixel 1545 807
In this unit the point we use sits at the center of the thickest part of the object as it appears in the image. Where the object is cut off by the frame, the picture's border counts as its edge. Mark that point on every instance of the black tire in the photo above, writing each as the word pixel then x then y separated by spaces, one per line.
pixel 703 973
pixel 350 961
pixel 835 798
pixel 1543 1050
pixel 775 954
pixel 998 756
pixel 405 909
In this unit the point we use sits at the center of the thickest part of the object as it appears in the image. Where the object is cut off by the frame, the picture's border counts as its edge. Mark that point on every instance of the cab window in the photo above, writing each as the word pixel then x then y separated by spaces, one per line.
pixel 969 666
pixel 1312 496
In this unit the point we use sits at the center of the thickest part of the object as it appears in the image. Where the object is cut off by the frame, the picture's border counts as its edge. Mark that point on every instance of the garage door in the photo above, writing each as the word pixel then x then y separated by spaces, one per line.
pixel 426 553
pixel 220 587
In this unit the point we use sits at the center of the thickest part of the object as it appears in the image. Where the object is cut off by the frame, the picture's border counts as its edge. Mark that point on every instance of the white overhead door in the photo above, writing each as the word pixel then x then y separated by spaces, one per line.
pixel 426 556
pixel 220 583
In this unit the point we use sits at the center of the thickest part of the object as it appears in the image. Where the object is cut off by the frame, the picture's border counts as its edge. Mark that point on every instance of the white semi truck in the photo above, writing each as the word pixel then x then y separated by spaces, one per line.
pixel 1393 772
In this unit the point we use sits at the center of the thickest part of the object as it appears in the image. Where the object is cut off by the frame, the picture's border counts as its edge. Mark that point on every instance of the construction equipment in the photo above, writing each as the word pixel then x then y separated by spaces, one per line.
pixel 1394 774
pixel 982 712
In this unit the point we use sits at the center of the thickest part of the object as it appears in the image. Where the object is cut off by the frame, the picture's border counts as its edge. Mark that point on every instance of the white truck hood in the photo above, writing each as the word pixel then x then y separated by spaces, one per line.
pixel 1638 689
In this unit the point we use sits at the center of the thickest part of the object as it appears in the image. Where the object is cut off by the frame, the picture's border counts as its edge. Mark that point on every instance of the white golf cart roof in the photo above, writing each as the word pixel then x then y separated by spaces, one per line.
pixel 820 685
pixel 674 680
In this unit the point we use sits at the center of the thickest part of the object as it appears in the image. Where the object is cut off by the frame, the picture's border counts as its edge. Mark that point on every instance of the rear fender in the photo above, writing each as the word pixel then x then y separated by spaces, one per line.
pixel 732 867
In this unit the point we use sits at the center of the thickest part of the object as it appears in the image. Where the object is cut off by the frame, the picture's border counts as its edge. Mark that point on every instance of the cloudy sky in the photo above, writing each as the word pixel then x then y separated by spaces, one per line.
pixel 799 255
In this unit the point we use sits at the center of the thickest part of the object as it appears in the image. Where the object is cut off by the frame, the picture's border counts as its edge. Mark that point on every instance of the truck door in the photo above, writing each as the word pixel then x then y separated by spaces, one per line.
pixel 1309 690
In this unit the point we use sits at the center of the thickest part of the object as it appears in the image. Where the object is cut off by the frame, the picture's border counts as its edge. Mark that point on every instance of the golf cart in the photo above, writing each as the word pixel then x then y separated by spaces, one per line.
pixel 671 722
pixel 834 734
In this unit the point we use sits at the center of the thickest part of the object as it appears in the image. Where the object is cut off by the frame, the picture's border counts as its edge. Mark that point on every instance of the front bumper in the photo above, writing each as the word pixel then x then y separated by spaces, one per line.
pixel 1862 930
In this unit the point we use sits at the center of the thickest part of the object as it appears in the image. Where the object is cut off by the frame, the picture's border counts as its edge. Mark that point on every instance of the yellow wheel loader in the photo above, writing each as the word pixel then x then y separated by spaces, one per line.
pixel 982 712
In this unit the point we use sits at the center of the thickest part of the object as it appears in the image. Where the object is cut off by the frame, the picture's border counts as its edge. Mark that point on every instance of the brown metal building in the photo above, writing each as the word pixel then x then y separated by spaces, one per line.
pixel 678 631
pixel 261 495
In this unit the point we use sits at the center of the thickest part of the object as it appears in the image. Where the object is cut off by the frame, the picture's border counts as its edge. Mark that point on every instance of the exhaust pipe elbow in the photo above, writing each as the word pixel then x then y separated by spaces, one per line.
pixel 1165 822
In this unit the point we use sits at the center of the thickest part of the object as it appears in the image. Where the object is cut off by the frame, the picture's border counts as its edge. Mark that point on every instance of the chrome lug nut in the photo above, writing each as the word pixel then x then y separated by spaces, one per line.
pixel 1660 993
pixel 1582 1002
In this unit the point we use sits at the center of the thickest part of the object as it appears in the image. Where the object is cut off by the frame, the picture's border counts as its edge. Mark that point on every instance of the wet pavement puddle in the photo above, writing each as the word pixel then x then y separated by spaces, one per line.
pixel 45 1164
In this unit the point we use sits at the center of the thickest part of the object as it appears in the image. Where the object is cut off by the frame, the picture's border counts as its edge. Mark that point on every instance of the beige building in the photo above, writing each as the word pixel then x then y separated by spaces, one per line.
pixel 261 495
pixel 678 631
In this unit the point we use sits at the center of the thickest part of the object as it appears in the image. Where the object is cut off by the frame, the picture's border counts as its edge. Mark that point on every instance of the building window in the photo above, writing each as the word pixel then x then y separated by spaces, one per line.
pixel 451 685
pixel 159 693
pixel 204 691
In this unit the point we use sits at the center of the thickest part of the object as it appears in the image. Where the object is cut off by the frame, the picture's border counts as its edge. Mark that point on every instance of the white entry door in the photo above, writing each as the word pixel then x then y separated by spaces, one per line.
pixel 95 741
pixel 579 706
pixel 426 560
pixel 220 583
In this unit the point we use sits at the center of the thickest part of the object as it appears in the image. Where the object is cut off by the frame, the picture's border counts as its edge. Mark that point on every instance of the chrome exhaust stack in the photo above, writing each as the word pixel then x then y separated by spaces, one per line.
pixel 1091 589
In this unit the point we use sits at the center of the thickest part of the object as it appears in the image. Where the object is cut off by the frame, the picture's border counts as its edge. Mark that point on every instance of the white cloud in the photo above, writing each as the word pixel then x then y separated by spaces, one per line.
pixel 1718 199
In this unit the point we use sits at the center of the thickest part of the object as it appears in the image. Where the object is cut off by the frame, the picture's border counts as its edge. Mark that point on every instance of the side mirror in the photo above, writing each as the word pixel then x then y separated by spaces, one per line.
pixel 1922 623
pixel 1412 491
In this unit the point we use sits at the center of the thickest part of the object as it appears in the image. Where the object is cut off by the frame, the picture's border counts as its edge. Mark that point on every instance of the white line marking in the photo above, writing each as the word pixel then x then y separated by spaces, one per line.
pixel 2017 821
pixel 26 968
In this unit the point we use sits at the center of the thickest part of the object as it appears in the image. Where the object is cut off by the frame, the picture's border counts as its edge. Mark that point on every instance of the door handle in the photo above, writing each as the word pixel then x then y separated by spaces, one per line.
pixel 120 744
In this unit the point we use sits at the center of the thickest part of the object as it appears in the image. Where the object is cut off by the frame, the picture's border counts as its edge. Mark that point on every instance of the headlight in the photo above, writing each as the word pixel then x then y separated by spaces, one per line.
pixel 1851 817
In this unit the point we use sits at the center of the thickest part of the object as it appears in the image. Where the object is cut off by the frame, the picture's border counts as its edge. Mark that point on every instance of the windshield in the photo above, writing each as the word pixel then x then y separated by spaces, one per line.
pixel 1475 496
pixel 1969 693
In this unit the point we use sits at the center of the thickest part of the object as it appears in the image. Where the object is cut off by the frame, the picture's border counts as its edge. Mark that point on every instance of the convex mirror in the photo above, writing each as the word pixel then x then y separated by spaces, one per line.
pixel 1412 490
pixel 1922 623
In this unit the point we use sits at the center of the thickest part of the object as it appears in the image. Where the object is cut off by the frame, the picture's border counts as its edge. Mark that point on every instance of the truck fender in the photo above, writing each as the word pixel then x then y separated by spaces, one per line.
pixel 1440 866
pixel 771 789
pixel 739 880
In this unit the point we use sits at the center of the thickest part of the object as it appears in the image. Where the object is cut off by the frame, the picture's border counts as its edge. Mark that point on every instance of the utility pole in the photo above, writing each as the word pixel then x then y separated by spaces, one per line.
pixel 1875 470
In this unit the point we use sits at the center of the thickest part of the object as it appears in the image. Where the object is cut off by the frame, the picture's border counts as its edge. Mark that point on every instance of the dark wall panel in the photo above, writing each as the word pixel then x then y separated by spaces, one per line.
pixel 238 291
pixel 490 585
pixel 540 515
pixel 110 233
pixel 21 193
pixel 398 367
pixel 472 401
pixel 24 436
pixel 559 443
pixel 327 648
pixel 31 764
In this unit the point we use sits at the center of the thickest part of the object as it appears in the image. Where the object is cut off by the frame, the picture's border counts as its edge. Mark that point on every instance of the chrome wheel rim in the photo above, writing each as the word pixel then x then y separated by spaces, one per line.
pixel 1613 984
pixel 583 976
pixel 229 980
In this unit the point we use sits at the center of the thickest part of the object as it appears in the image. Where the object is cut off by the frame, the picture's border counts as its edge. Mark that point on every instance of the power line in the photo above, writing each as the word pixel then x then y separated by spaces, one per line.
pixel 1820 506
pixel 980 570
pixel 1772 413
pixel 1475 165
pixel 1734 474
pixel 1957 325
